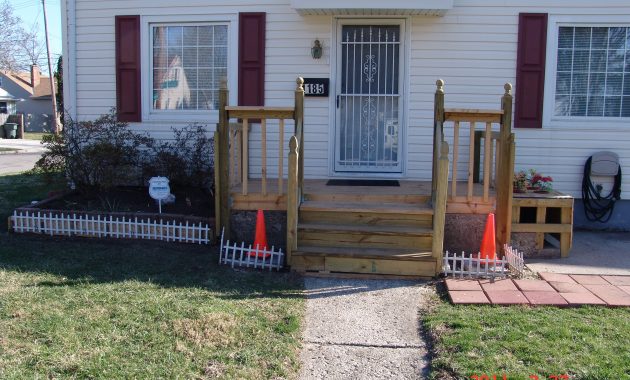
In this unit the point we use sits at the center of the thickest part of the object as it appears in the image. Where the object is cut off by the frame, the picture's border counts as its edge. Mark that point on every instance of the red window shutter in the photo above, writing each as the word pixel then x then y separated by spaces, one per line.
pixel 128 68
pixel 530 70
pixel 251 59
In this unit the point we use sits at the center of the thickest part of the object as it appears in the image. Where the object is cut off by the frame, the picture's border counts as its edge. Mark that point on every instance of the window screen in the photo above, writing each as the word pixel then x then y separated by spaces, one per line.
pixel 189 63
pixel 593 72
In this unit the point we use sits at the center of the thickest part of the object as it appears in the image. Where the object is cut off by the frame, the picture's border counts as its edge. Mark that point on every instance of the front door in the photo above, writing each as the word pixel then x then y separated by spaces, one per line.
pixel 368 125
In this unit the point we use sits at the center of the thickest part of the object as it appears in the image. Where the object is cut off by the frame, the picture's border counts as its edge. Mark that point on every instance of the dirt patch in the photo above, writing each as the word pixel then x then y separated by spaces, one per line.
pixel 189 201
pixel 243 225
pixel 463 232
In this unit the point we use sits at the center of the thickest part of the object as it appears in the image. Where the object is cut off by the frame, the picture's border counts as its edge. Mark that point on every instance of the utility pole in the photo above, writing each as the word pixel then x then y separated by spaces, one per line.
pixel 57 127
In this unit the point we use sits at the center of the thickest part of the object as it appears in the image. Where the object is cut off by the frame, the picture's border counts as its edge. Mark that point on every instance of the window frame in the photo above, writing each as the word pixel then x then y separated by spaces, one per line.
pixel 550 120
pixel 186 116
pixel 6 108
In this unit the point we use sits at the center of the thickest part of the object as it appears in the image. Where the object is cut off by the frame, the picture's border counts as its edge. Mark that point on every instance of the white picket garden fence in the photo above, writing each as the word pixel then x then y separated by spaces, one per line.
pixel 237 255
pixel 119 227
pixel 469 265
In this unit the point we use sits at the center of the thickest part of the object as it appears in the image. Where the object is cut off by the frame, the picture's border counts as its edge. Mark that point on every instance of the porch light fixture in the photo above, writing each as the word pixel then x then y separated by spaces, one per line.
pixel 316 50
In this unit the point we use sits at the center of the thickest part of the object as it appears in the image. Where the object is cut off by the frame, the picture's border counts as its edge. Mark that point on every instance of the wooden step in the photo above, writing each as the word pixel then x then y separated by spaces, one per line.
pixel 364 261
pixel 368 213
pixel 363 195
pixel 361 235
pixel 365 253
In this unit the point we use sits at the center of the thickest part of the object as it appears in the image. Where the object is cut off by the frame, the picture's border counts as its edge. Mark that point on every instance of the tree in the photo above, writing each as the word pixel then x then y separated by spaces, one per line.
pixel 59 93
pixel 11 35
pixel 31 49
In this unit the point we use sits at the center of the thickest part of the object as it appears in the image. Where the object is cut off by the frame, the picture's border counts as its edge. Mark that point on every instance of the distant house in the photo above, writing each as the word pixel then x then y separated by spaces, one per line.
pixel 7 105
pixel 35 94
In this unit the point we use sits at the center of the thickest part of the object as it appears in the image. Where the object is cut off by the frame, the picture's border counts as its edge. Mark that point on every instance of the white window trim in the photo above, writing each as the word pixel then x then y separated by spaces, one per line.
pixel 186 116
pixel 550 121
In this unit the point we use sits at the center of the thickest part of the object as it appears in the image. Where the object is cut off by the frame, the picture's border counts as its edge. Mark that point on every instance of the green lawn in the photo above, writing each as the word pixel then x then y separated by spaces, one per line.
pixel 82 308
pixel 35 135
pixel 584 343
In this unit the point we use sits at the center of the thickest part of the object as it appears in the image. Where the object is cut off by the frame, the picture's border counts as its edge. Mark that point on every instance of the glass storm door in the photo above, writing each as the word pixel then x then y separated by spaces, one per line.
pixel 369 117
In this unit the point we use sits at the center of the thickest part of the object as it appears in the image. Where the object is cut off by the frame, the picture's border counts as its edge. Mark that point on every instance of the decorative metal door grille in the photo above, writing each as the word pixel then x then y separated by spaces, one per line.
pixel 368 102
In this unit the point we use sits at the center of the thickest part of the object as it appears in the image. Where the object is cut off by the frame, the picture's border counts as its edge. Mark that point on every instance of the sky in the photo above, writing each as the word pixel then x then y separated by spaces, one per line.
pixel 30 12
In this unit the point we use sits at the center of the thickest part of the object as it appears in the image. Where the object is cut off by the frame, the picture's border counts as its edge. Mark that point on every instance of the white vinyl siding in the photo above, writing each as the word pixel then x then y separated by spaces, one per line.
pixel 472 47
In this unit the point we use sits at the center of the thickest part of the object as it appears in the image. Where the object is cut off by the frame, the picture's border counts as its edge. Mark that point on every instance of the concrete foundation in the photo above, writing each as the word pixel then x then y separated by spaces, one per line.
pixel 620 220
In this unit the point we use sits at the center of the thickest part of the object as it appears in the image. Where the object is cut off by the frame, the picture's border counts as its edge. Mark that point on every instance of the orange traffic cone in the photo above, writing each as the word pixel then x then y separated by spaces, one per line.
pixel 260 242
pixel 488 248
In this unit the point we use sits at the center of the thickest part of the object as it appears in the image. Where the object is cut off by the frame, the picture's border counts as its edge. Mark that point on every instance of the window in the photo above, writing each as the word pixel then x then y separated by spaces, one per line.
pixel 4 108
pixel 188 64
pixel 593 72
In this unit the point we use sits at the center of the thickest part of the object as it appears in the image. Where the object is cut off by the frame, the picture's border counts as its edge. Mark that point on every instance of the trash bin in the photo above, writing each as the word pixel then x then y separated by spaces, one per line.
pixel 10 130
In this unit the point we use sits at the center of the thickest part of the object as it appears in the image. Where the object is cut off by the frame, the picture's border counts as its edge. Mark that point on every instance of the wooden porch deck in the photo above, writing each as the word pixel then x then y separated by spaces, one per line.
pixel 409 191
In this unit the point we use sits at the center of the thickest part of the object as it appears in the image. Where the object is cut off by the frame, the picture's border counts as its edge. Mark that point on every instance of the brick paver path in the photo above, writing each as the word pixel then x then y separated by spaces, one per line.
pixel 553 290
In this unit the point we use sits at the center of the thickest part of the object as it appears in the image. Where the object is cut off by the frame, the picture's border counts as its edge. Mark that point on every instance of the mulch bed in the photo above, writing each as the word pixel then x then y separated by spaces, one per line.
pixel 189 201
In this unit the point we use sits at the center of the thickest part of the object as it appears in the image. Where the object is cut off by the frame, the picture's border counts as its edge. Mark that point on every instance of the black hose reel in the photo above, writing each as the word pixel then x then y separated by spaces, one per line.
pixel 599 207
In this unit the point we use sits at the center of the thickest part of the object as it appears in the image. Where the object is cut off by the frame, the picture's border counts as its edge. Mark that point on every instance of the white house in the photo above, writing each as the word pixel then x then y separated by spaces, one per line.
pixel 161 63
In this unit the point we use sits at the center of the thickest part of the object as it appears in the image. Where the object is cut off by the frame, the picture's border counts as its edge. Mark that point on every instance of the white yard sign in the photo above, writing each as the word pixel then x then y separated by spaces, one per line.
pixel 159 189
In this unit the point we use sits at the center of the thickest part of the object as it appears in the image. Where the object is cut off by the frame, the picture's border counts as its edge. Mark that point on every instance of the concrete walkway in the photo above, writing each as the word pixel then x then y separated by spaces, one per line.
pixel 363 329
pixel 605 253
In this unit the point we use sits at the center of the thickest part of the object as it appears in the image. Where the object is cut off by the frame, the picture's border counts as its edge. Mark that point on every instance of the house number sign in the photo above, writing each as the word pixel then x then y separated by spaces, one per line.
pixel 316 86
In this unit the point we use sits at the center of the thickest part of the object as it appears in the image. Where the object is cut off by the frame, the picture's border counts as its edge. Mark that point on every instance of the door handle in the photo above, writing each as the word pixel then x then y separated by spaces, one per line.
pixel 337 101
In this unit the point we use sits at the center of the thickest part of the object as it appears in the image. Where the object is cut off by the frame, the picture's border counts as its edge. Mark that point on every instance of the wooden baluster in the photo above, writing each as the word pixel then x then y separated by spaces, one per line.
pixel 240 155
pixel 280 155
pixel 487 153
pixel 497 157
pixel 471 161
pixel 455 155
pixel 232 154
pixel 245 172
pixel 263 146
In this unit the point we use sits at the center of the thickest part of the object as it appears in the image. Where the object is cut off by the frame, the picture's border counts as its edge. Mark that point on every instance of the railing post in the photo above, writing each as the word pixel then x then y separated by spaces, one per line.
pixel 293 202
pixel 438 131
pixel 439 206
pixel 299 131
pixel 506 171
pixel 223 166
pixel 217 183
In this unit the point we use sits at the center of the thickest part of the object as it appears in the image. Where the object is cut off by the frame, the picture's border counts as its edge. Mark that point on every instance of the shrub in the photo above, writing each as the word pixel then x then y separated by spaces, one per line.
pixel 187 160
pixel 96 155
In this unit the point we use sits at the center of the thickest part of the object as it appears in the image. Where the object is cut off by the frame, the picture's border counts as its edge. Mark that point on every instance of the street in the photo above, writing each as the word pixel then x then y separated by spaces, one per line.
pixel 29 151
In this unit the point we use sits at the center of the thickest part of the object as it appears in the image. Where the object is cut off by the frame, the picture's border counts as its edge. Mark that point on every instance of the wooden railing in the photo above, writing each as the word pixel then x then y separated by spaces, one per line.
pixel 232 152
pixel 497 156
pixel 239 144
pixel 473 118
